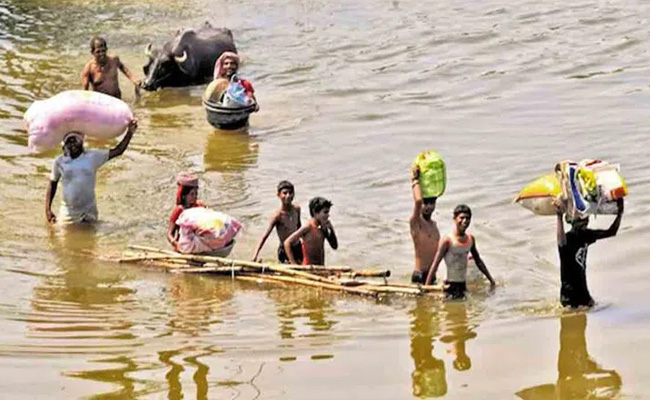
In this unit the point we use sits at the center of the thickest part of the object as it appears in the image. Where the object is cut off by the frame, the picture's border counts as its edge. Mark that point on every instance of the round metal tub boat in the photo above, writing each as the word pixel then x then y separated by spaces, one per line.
pixel 227 117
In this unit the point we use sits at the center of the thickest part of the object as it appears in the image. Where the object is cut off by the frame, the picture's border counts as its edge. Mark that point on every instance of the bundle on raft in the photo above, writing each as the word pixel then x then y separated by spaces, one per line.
pixel 335 278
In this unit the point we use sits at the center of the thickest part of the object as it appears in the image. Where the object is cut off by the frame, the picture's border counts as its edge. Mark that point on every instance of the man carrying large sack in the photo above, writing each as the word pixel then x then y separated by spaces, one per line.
pixel 78 169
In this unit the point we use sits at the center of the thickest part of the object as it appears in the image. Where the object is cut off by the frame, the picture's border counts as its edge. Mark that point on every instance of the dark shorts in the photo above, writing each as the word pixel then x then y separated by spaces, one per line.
pixel 418 277
pixel 296 250
pixel 455 290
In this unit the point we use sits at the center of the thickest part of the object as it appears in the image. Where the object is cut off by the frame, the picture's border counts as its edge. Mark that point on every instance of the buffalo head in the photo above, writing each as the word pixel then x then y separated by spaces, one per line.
pixel 187 59
pixel 162 68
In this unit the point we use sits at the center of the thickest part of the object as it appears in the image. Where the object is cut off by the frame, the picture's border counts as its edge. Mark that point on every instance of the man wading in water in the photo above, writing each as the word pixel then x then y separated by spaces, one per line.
pixel 424 230
pixel 100 73
pixel 78 168
pixel 573 246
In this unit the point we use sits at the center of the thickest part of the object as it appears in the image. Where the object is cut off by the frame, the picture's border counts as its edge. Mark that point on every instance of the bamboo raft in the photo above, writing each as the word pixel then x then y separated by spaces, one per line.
pixel 335 278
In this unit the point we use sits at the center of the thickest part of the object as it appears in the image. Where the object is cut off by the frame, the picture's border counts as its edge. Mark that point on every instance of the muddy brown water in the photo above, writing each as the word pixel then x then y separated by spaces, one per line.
pixel 350 92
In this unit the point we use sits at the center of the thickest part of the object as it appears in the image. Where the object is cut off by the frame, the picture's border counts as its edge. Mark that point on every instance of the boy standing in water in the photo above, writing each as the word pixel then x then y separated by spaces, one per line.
pixel 424 230
pixel 573 247
pixel 454 248
pixel 313 234
pixel 286 221
pixel 100 73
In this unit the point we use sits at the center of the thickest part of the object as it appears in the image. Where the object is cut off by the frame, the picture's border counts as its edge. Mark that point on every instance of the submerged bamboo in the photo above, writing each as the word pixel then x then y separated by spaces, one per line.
pixel 307 282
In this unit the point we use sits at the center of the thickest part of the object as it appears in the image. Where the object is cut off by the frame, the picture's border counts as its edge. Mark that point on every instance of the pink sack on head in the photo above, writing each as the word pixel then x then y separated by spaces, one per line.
pixel 93 114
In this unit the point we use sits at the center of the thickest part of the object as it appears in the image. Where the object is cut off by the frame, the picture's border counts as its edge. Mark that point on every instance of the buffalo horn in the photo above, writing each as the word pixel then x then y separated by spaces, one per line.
pixel 182 58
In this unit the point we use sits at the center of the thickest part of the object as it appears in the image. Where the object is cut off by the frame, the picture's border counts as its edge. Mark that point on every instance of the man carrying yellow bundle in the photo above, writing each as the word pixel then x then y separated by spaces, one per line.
pixel 573 246
pixel 428 179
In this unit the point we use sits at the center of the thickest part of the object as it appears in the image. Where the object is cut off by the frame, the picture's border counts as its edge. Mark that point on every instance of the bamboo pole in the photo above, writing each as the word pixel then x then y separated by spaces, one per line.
pixel 307 282
pixel 371 273
pixel 250 264
pixel 217 270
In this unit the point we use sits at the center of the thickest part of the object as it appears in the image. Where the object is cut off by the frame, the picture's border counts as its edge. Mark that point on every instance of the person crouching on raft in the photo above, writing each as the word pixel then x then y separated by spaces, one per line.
pixel 78 169
pixel 226 66
pixel 186 197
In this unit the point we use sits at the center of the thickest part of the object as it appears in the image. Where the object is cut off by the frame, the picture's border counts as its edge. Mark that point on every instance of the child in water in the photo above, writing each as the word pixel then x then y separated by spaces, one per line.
pixel 313 234
pixel 285 221
pixel 186 197
pixel 573 247
pixel 100 73
pixel 454 248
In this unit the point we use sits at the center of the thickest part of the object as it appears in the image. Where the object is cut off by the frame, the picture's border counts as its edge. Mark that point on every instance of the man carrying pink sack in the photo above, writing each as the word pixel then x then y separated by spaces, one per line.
pixel 77 168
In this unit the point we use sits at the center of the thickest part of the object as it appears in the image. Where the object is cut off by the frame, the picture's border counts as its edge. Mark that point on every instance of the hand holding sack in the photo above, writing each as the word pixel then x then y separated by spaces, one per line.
pixel 203 230
pixel 587 188
pixel 94 114
pixel 433 174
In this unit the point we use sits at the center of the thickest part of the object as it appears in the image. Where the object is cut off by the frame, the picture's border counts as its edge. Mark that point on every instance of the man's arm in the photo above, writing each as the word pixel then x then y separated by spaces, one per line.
pixel 121 147
pixel 274 221
pixel 417 194
pixel 128 72
pixel 330 235
pixel 440 254
pixel 613 229
pixel 85 77
pixel 49 196
pixel 480 264
pixel 293 238
pixel 561 236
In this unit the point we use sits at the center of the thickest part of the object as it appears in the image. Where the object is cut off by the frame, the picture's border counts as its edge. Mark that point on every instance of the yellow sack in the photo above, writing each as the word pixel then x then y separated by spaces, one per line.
pixel 538 195
pixel 433 174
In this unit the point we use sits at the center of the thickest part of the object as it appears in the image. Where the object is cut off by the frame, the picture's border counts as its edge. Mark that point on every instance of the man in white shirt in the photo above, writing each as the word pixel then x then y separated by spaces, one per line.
pixel 78 169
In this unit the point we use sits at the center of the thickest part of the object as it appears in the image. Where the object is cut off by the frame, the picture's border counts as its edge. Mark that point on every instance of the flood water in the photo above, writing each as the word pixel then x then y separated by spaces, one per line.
pixel 350 92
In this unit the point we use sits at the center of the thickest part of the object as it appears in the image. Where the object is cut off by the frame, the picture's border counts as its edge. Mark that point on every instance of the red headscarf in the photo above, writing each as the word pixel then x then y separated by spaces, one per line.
pixel 185 179
pixel 218 66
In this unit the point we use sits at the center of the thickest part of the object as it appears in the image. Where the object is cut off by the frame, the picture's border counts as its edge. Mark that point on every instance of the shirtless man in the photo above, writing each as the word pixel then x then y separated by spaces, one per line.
pixel 285 221
pixel 100 73
pixel 424 230
pixel 313 234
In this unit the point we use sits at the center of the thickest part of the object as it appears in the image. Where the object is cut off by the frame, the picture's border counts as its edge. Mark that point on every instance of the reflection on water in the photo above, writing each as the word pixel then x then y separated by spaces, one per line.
pixel 230 151
pixel 579 376
pixel 449 322
pixel 457 331
pixel 429 375
pixel 303 314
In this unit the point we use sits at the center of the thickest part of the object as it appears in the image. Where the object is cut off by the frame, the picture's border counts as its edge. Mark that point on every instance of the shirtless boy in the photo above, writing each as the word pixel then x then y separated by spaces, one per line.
pixel 424 230
pixel 285 221
pixel 313 234
pixel 455 248
pixel 100 73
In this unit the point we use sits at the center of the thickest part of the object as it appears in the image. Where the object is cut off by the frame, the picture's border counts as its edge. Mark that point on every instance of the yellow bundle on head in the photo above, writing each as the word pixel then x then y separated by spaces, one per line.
pixel 589 187
pixel 538 195
pixel 433 174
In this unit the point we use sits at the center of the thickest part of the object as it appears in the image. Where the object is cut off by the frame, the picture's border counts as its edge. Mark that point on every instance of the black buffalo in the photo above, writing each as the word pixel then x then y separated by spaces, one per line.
pixel 188 59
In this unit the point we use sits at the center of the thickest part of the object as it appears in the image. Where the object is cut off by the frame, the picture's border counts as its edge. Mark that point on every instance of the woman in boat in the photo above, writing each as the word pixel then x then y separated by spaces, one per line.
pixel 186 197
pixel 224 69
